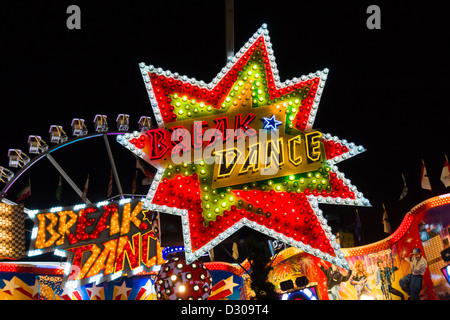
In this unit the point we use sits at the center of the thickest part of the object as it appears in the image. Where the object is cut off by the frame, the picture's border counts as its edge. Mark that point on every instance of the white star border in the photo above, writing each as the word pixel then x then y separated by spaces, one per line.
pixel 191 256
pixel 314 201
pixel 263 31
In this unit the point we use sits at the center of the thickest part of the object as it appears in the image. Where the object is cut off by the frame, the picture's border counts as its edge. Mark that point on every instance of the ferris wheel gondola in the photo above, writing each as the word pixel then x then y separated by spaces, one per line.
pixel 57 134
pixel 36 145
pixel 78 127
pixel 17 158
pixel 5 174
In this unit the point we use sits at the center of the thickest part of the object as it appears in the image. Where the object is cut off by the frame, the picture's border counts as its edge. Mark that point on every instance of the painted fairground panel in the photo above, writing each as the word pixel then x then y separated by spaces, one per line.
pixel 298 277
pixel 45 283
pixel 226 286
pixel 434 232
pixel 382 270
pixel 27 282
pixel 417 247
pixel 409 264
pixel 373 276
pixel 378 276
pixel 134 288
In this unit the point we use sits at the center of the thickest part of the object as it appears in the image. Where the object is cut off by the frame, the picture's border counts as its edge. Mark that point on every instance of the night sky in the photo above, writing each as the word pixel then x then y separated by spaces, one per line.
pixel 387 89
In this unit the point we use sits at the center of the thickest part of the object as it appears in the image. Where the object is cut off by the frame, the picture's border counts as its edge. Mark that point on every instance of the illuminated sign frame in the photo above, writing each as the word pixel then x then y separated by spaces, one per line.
pixel 101 242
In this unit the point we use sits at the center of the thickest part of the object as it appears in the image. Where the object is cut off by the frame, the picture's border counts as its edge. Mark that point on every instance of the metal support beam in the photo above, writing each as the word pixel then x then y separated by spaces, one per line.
pixel 68 179
pixel 229 28
pixel 113 166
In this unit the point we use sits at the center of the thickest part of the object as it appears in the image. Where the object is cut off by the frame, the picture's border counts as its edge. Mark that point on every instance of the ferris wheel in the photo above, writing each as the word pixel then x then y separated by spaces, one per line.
pixel 20 162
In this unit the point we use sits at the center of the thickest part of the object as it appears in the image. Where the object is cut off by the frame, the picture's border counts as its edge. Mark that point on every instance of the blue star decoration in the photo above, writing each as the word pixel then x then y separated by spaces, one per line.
pixel 271 123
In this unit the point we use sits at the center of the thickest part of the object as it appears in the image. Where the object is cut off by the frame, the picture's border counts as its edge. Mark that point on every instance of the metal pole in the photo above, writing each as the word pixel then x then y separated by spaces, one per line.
pixel 68 179
pixel 113 165
pixel 231 256
pixel 229 28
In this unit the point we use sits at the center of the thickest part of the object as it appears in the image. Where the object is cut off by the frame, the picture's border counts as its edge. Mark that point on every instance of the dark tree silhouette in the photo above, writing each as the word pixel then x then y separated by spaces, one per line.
pixel 259 257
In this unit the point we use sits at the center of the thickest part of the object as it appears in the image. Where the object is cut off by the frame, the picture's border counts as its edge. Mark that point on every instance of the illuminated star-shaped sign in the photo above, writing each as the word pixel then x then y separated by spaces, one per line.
pixel 271 123
pixel 220 169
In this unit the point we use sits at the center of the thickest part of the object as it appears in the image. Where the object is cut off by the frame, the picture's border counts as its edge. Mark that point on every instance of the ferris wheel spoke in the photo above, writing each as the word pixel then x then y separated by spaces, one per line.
pixel 67 178
pixel 113 166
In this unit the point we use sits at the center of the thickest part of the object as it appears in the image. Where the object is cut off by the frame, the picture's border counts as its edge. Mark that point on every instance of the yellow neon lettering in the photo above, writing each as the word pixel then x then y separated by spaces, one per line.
pixel 293 157
pixel 313 145
pixel 227 161
pixel 252 159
